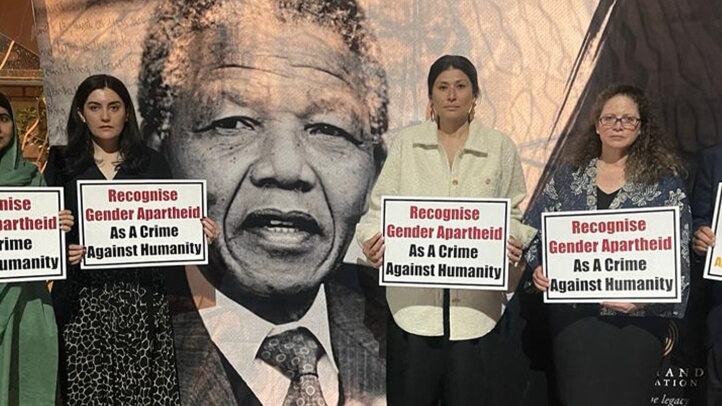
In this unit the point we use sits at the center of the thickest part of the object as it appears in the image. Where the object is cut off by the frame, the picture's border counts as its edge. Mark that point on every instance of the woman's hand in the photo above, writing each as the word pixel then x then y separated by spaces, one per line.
pixel 66 220
pixel 541 282
pixel 210 229
pixel 75 253
pixel 373 249
pixel 623 307
pixel 703 239
pixel 513 250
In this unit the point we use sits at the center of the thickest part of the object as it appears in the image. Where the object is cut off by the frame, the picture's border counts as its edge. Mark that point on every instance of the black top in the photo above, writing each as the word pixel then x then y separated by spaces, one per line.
pixel 604 200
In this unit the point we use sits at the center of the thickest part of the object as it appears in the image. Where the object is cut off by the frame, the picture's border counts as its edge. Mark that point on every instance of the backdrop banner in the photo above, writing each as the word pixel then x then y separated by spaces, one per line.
pixel 285 108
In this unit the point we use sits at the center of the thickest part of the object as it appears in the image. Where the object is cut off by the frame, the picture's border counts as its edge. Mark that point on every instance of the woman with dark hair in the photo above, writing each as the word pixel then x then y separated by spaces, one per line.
pixel 440 341
pixel 116 338
pixel 609 353
pixel 82 150
pixel 28 334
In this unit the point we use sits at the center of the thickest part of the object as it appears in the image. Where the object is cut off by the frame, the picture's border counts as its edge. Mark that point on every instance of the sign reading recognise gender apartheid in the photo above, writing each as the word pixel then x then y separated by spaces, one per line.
pixel 630 255
pixel 138 223
pixel 713 262
pixel 445 242
pixel 32 245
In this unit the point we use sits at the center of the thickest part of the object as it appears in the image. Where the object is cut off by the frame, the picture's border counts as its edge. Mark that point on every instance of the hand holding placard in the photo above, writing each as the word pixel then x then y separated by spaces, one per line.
pixel 374 249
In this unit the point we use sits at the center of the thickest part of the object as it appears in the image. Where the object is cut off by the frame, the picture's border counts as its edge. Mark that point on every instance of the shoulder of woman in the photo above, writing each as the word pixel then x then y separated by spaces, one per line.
pixel 670 179
pixel 157 164
pixel 426 127
pixel 475 127
pixel 406 136
pixel 494 137
pixel 152 153
pixel 563 171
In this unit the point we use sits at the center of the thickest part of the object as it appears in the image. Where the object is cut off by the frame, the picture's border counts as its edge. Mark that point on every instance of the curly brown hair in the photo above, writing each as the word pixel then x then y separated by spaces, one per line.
pixel 651 155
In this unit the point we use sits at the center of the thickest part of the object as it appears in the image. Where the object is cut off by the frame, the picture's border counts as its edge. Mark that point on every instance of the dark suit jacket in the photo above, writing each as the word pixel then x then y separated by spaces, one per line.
pixel 709 174
pixel 204 379
pixel 704 194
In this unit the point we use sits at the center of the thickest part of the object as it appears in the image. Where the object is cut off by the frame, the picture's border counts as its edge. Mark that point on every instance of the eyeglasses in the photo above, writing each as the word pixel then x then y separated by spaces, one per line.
pixel 628 122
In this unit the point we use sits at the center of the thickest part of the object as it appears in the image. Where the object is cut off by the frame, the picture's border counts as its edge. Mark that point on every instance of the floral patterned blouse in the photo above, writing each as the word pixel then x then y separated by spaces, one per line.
pixel 576 189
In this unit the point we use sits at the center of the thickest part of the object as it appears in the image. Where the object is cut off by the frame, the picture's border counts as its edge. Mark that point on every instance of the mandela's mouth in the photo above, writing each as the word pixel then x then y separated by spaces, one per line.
pixel 279 227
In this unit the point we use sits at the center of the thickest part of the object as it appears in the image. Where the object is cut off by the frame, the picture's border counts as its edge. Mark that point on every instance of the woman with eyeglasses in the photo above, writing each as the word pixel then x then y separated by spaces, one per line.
pixel 609 353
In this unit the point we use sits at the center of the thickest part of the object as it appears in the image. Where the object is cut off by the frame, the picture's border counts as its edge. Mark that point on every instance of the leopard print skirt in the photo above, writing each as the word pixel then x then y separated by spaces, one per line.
pixel 116 338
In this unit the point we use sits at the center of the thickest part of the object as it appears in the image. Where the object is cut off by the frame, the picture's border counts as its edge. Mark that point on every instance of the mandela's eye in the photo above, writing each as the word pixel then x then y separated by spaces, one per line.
pixel 235 123
pixel 333 131
pixel 231 125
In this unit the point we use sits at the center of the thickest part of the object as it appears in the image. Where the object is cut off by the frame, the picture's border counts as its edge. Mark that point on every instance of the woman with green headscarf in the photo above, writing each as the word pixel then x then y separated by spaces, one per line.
pixel 28 333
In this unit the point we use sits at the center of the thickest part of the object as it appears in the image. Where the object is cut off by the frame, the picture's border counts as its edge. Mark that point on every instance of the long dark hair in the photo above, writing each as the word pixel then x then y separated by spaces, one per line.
pixel 79 153
pixel 651 155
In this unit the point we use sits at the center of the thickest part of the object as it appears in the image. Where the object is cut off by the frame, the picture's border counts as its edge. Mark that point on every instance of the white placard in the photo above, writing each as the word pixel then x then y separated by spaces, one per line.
pixel 627 255
pixel 445 242
pixel 142 223
pixel 713 260
pixel 32 245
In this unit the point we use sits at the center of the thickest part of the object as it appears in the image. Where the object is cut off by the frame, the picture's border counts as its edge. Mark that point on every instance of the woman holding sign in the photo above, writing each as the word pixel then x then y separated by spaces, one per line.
pixel 28 334
pixel 609 353
pixel 117 345
pixel 440 340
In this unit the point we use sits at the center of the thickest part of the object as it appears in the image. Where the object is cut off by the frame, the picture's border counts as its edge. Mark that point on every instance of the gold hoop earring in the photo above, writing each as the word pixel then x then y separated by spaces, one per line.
pixel 470 116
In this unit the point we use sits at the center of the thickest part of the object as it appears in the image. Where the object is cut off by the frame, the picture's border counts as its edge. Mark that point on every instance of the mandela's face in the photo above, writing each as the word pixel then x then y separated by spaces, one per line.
pixel 274 120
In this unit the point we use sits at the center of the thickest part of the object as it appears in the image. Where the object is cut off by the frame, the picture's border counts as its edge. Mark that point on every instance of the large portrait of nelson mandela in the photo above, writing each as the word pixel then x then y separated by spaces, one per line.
pixel 280 105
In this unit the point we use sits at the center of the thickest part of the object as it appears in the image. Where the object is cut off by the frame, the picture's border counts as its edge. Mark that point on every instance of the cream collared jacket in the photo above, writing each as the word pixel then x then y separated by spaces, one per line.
pixel 487 166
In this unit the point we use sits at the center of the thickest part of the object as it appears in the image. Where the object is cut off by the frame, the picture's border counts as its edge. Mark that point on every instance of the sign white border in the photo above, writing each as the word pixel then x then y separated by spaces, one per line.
pixel 122 262
pixel 714 252
pixel 676 249
pixel 56 192
pixel 500 286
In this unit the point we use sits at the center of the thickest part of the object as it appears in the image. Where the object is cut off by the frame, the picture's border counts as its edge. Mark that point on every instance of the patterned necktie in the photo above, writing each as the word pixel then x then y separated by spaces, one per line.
pixel 295 353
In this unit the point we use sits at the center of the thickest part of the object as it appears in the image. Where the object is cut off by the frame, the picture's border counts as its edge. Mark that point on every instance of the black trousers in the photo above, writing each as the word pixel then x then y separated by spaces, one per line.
pixel 433 371
pixel 714 356
pixel 601 361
